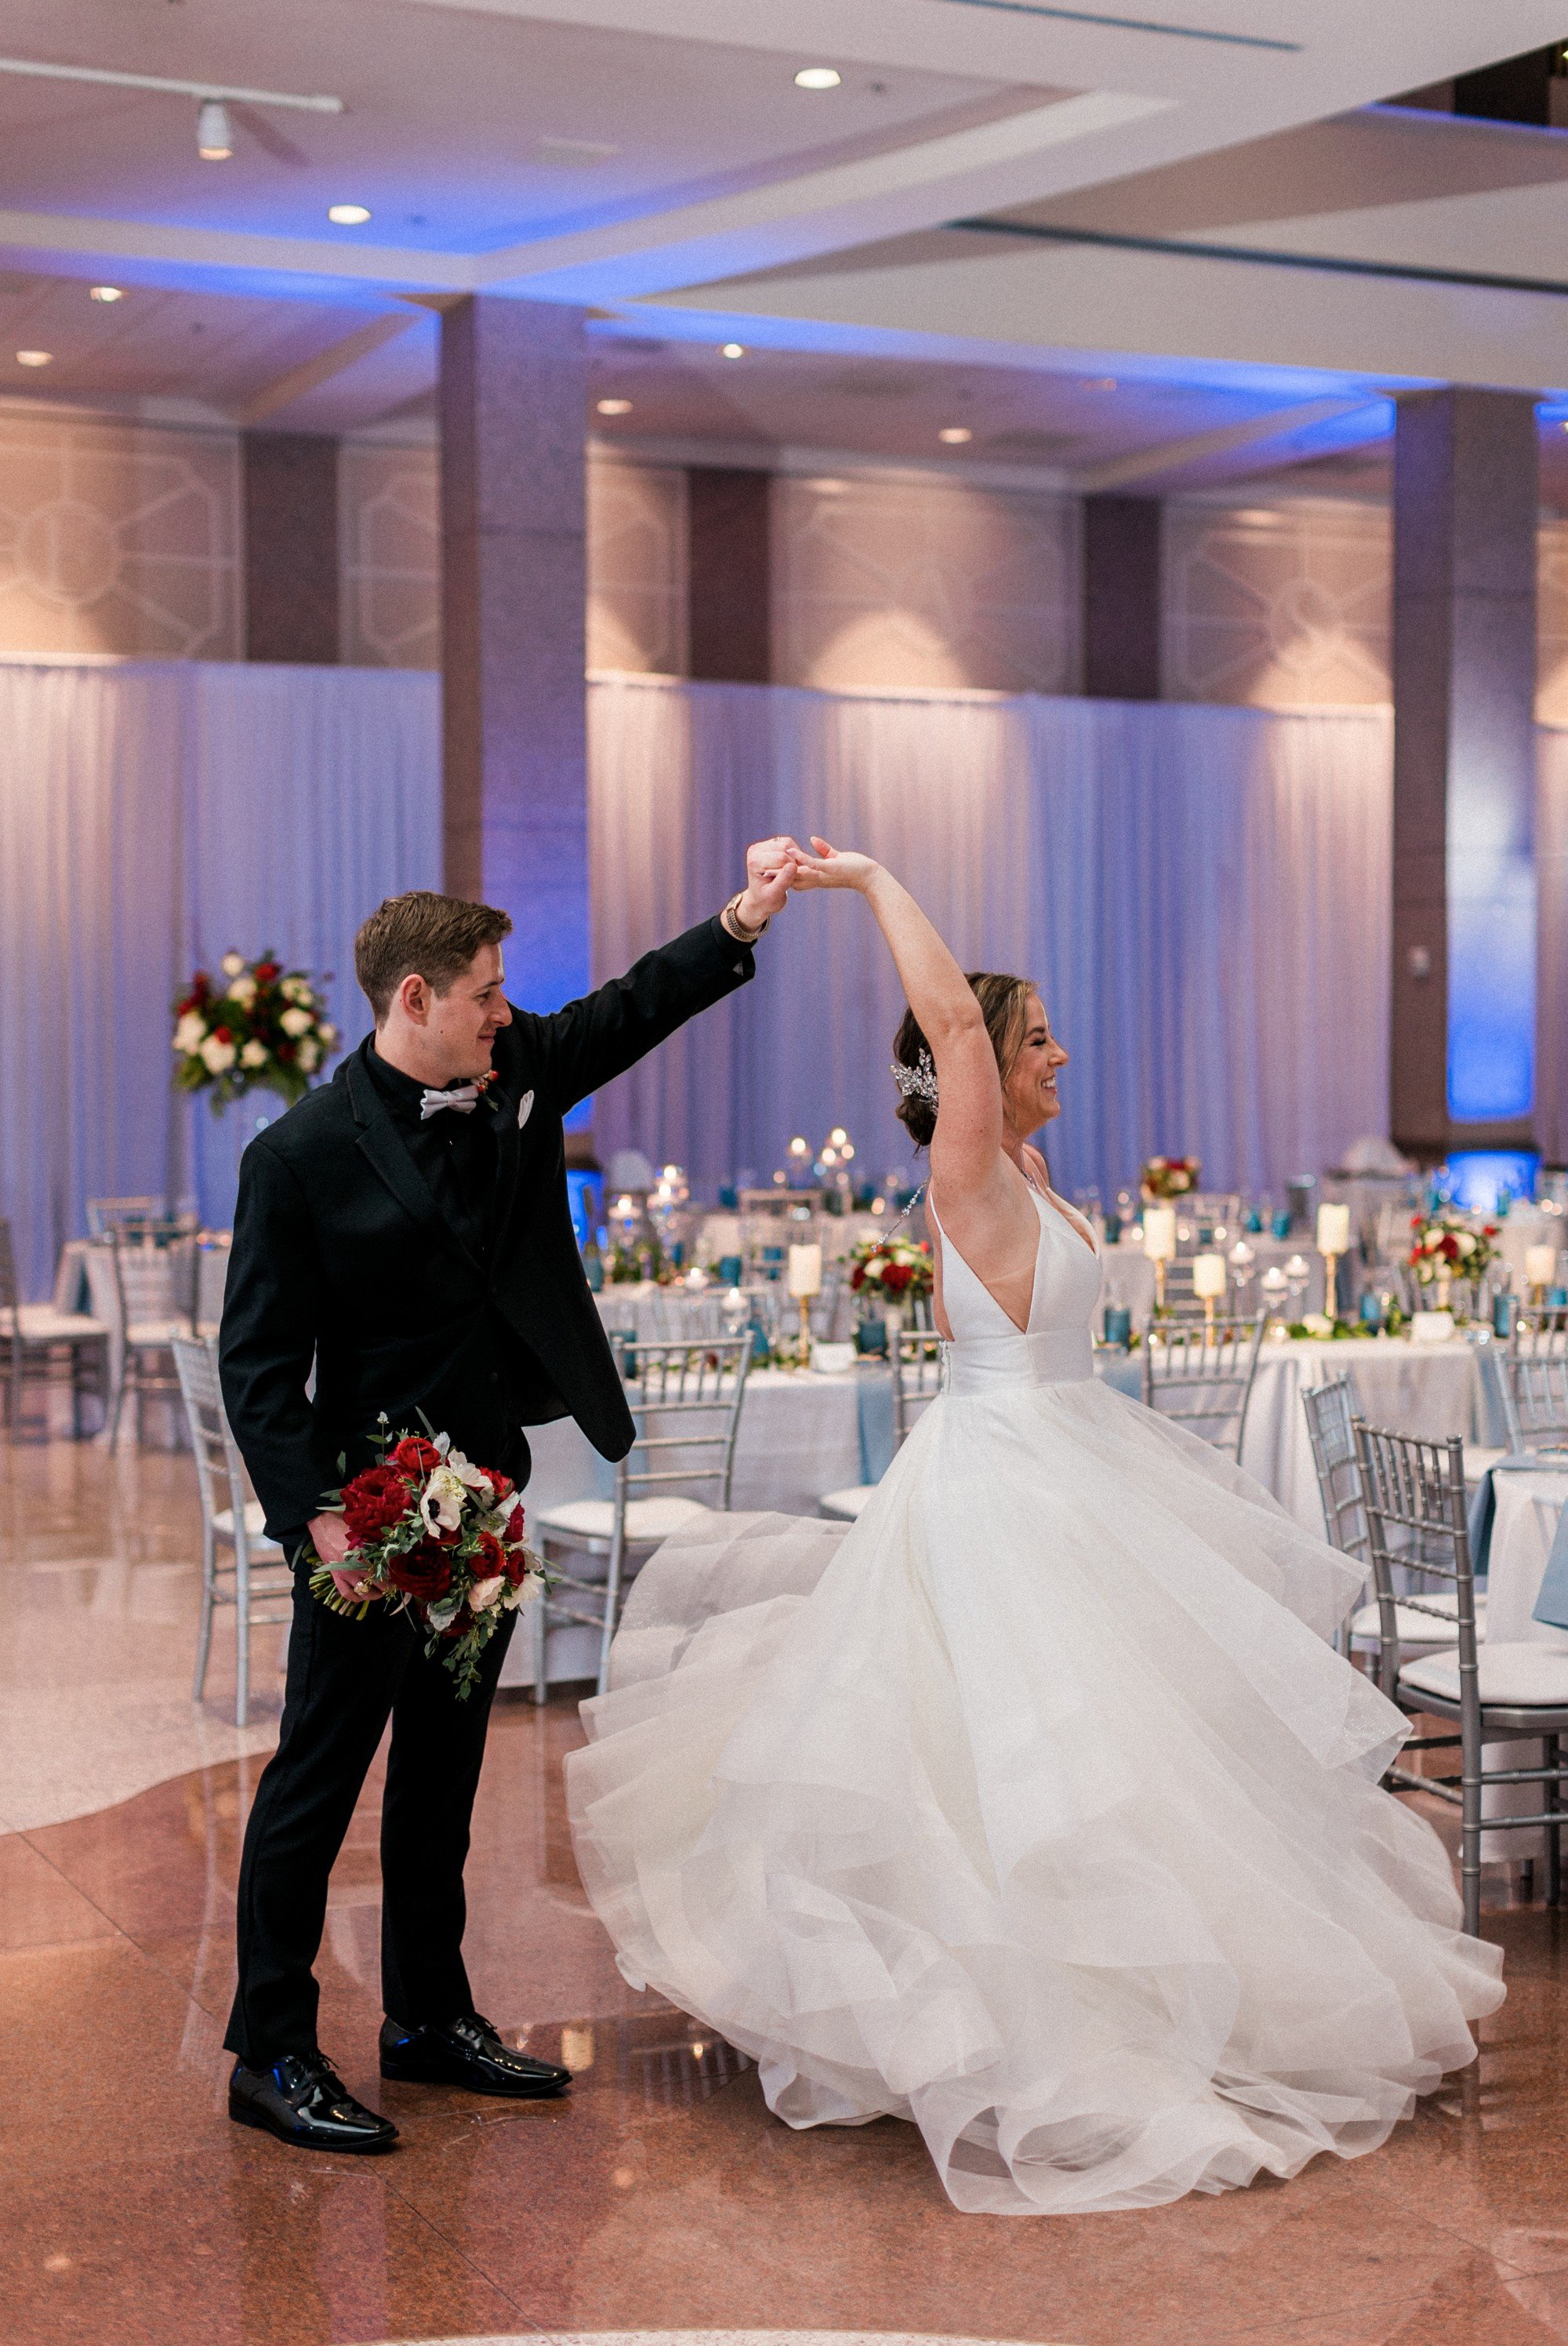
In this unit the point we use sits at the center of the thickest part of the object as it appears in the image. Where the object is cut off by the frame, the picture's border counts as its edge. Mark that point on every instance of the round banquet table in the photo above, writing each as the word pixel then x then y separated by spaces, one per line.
pixel 1431 1390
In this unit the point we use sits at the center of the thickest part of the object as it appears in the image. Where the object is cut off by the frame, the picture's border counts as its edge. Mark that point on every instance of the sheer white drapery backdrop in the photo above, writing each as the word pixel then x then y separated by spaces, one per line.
pixel 152 817
pixel 1202 893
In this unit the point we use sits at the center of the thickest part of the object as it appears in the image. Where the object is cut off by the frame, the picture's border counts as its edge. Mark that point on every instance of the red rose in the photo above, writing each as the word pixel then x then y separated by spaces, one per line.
pixel 424 1574
pixel 373 1502
pixel 489 1556
pixel 414 1455
pixel 285 1050
pixel 857 1276
pixel 515 1522
pixel 223 1033
pixel 897 1277
pixel 502 1485
pixel 265 969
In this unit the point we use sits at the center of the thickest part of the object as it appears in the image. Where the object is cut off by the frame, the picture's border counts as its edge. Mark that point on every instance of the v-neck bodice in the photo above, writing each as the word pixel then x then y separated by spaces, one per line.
pixel 1056 1346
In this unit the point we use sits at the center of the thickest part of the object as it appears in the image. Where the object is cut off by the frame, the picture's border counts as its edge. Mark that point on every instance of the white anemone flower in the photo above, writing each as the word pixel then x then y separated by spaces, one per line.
pixel 217 1058
pixel 441 1504
pixel 231 964
pixel 484 1592
pixel 190 1033
pixel 296 1022
pixel 254 1055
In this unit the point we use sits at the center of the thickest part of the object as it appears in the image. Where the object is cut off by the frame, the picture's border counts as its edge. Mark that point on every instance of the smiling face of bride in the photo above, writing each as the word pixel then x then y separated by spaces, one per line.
pixel 1029 1093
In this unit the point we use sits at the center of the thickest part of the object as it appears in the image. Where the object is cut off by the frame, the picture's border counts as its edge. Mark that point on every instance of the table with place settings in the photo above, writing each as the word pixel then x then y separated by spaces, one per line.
pixel 1431 1390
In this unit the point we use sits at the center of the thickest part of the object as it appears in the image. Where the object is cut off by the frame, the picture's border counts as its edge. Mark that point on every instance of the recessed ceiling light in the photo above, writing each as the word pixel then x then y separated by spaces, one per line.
pixel 956 434
pixel 214 132
pixel 34 358
pixel 732 349
pixel 105 294
pixel 348 215
pixel 818 78
pixel 614 406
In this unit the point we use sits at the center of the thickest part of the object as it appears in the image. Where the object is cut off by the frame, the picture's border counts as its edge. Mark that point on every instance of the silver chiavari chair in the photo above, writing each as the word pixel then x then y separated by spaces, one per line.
pixel 918 1364
pixel 1331 1430
pixel 256 1581
pixel 1414 1497
pixel 1200 1374
pixel 686 1401
pixel 1535 1367
pixel 157 1299
pixel 34 1337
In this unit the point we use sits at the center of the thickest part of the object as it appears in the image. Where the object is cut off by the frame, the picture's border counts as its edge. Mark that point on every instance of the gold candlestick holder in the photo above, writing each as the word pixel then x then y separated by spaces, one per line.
pixel 805 1303
pixel 1331 1286
pixel 1159 1283
pixel 1208 1307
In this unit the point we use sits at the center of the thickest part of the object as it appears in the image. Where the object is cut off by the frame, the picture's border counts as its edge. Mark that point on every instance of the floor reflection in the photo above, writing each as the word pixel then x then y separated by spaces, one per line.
pixel 661 2196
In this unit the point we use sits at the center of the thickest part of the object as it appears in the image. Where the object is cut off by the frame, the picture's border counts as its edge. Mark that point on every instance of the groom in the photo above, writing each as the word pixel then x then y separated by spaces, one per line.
pixel 404 1231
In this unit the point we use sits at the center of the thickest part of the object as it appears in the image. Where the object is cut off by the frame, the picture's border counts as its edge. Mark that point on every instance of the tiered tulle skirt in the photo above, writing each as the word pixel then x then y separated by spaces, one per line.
pixel 1049 1822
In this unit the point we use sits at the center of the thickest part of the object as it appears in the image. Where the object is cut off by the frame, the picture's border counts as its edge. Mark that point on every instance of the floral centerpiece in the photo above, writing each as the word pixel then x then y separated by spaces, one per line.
pixel 256 1027
pixel 891 1271
pixel 434 1535
pixel 1169 1177
pixel 1443 1247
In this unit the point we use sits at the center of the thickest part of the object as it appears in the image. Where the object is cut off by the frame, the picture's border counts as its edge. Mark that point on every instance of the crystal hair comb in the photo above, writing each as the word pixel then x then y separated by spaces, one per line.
pixel 918 1082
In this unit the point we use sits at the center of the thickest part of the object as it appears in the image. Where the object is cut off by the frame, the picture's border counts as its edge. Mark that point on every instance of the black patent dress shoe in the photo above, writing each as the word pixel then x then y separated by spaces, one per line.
pixel 301 2100
pixel 467 2053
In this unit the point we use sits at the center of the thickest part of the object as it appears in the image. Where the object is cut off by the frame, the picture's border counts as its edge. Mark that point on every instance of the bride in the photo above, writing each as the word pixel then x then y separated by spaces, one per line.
pixel 1049 1820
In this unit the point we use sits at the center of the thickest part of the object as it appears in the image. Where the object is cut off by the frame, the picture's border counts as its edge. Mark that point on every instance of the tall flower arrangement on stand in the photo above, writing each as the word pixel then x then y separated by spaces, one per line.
pixel 256 1027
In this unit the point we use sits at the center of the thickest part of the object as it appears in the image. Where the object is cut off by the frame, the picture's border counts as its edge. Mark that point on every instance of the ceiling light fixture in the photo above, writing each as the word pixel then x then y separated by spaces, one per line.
pixel 614 406
pixel 956 434
pixel 214 131
pixel 348 215
pixel 34 358
pixel 818 78
pixel 105 294
pixel 167 88
pixel 732 350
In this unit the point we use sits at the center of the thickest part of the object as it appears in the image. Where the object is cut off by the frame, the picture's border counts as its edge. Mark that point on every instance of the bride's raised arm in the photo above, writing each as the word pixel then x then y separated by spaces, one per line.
pixel 966 1152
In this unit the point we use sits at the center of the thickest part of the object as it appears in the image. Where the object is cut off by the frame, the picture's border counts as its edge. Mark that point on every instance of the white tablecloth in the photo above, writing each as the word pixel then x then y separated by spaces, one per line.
pixel 799 1437
pixel 1431 1390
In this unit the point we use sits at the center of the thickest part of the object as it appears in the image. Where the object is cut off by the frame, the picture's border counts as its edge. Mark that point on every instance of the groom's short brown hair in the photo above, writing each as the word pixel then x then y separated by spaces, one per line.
pixel 433 936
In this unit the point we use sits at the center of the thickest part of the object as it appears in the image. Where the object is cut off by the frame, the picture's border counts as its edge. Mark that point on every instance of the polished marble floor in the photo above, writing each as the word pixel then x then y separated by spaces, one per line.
pixel 661 2198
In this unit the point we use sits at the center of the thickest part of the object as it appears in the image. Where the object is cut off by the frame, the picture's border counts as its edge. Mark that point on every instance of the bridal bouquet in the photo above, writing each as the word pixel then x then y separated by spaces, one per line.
pixel 897 1270
pixel 1169 1177
pixel 434 1535
pixel 1444 1246
pixel 256 1027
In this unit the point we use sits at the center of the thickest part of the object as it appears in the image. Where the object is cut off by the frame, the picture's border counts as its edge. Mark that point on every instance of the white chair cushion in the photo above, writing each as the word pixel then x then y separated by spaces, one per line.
pixel 1413 1628
pixel 155 1332
pixel 649 1521
pixel 1511 1677
pixel 848 1505
pixel 255 1519
pixel 42 1324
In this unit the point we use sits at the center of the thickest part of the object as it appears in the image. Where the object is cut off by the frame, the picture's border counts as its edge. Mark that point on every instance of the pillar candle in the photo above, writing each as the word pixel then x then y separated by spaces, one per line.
pixel 805 1270
pixel 1160 1233
pixel 1540 1265
pixel 1333 1229
pixel 1207 1276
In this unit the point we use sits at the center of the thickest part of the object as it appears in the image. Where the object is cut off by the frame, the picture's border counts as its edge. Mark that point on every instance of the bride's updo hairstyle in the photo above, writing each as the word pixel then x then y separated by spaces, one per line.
pixel 1004 1006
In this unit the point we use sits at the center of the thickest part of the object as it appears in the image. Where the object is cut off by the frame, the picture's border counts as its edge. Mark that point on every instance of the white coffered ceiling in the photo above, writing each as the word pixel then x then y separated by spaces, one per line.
pixel 653 160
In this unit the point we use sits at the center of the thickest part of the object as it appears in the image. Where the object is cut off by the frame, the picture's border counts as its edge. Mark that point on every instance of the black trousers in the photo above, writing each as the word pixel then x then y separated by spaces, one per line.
pixel 346 1679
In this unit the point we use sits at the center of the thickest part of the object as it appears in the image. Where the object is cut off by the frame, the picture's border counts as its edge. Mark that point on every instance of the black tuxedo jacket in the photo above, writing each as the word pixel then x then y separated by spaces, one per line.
pixel 342 1256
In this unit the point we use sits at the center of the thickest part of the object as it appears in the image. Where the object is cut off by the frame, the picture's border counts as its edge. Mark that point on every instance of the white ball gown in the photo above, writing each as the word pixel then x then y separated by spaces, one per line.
pixel 1050 1819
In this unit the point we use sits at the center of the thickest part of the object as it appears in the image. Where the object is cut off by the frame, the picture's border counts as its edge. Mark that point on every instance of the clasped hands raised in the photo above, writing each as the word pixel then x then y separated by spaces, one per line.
pixel 778 868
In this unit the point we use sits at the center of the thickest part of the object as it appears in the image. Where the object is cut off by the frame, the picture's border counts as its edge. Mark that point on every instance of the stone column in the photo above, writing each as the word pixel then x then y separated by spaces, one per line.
pixel 513 388
pixel 1463 1046
pixel 290 500
pixel 1122 599
pixel 729 575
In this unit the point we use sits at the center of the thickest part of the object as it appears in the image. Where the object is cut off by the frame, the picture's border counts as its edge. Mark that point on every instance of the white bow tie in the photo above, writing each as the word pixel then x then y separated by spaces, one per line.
pixel 463 1097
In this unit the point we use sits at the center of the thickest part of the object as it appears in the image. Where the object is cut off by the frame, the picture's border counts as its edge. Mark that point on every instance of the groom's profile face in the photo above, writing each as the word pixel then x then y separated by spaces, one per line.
pixel 463 1023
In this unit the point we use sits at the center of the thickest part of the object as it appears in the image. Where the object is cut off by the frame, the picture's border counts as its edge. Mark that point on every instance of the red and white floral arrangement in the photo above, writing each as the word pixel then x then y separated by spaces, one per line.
pixel 256 1027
